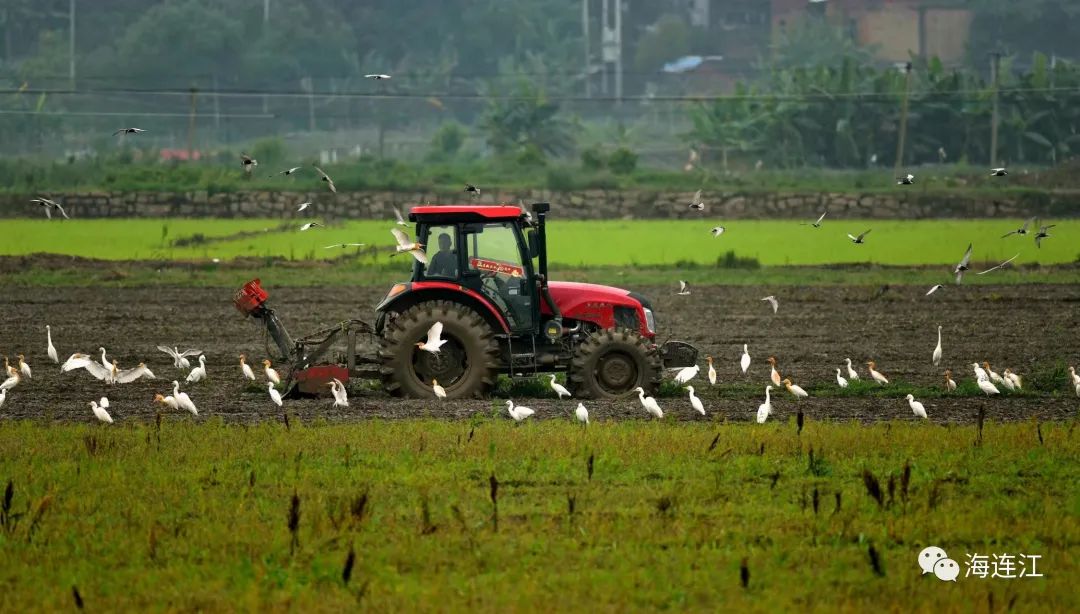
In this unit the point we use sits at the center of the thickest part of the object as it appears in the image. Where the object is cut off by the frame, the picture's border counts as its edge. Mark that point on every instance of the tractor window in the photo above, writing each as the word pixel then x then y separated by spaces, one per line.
pixel 493 255
pixel 495 250
pixel 442 255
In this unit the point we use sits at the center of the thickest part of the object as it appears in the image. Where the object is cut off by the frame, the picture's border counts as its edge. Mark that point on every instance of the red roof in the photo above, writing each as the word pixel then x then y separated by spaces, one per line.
pixel 488 211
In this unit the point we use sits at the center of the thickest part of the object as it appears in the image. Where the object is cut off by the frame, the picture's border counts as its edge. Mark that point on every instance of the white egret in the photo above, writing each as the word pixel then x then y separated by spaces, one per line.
pixel 1012 377
pixel 684 288
pixel 695 402
pixel 518 413
pixel 1005 381
pixel 183 400
pixel 795 390
pixel 3 397
pixel 341 396
pixel 937 351
pixel 712 371
pixel 440 392
pixel 130 375
pixel 51 349
pixel 765 408
pixel 582 414
pixel 100 413
pixel 649 403
pixel 840 381
pixel 916 407
pixel 180 360
pixel 559 388
pixel 271 374
pixel 878 377
pixel 744 361
pixel 988 387
pixel 774 375
pixel 1074 376
pixel 434 341
pixel 198 374
pixel 24 369
pixel 11 382
pixel 980 374
pixel 168 401
pixel 246 369
pixel 963 266
pixel 405 244
pixel 994 377
pixel 326 179
pixel 859 239
pixel 772 301
pixel 275 396
pixel 686 374
pixel 950 385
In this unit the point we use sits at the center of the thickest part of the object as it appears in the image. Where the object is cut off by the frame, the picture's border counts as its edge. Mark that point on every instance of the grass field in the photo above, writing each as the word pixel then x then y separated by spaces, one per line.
pixel 573 244
pixel 182 516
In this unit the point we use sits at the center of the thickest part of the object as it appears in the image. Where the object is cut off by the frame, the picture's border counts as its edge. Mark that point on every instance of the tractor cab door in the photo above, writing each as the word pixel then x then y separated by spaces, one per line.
pixel 496 267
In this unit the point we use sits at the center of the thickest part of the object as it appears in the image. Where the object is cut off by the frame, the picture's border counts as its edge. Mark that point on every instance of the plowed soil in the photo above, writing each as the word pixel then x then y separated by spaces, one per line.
pixel 1028 328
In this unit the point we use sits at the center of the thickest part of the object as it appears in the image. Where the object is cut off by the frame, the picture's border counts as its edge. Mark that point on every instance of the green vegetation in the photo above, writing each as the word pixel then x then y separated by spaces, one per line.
pixel 684 244
pixel 621 516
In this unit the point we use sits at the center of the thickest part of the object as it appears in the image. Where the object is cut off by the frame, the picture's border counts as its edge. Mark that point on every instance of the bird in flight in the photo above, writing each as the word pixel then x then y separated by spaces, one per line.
pixel 907 179
pixel 326 178
pixel 344 245
pixel 377 76
pixel 1023 230
pixel 816 224
pixel 405 244
pixel 49 205
pixel 696 203
pixel 302 206
pixel 248 162
pixel 998 172
pixel 934 289
pixel 287 171
pixel 400 219
pixel 772 301
pixel 684 288
pixel 471 189
pixel 963 266
pixel 1042 234
pixel 128 131
pixel 311 225
pixel 859 239
pixel 717 231
pixel 998 266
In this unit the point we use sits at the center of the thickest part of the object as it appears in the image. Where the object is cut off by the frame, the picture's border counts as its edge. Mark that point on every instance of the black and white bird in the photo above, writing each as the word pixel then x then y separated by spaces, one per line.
pixel 772 301
pixel 344 245
pixel 907 179
pixel 1042 234
pixel 49 205
pixel 998 266
pixel 1023 230
pixel 128 131
pixel 248 163
pixel 934 289
pixel 310 225
pixel 326 178
pixel 377 76
pixel 859 239
pixel 998 172
pixel 471 189
pixel 718 230
pixel 963 266
pixel 815 224
pixel 684 288
pixel 400 219
pixel 696 204
pixel 287 171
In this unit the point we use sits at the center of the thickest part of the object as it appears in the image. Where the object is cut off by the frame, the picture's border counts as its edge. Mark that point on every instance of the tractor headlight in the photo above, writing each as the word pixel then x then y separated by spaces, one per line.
pixel 650 320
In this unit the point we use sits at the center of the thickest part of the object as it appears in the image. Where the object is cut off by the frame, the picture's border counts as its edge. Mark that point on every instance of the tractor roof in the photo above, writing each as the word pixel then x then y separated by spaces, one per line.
pixel 466 212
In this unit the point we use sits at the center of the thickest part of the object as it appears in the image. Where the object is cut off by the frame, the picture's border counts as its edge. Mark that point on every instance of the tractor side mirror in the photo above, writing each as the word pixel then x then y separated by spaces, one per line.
pixel 534 245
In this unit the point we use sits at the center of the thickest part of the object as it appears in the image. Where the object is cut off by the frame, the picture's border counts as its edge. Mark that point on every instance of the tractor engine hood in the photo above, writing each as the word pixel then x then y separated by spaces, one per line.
pixel 570 296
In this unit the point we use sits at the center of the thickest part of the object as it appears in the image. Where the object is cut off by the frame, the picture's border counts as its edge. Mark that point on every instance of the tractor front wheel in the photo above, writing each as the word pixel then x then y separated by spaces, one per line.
pixel 466 366
pixel 612 363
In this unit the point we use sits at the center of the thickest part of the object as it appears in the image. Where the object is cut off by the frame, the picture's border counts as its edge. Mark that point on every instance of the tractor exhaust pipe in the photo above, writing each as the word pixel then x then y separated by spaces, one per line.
pixel 541 210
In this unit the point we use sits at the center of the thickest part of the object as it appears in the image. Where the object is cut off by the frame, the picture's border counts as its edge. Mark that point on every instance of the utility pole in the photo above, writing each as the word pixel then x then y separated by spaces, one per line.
pixel 618 57
pixel 604 46
pixel 903 120
pixel 191 126
pixel 585 36
pixel 995 63
pixel 71 43
pixel 266 11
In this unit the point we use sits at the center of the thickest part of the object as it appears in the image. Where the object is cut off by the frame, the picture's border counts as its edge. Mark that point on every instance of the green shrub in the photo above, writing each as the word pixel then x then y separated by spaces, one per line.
pixel 269 151
pixel 531 155
pixel 592 159
pixel 448 140
pixel 622 161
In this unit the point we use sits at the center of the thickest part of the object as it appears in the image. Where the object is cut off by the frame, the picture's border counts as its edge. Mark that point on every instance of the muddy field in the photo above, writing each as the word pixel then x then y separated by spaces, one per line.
pixel 1028 328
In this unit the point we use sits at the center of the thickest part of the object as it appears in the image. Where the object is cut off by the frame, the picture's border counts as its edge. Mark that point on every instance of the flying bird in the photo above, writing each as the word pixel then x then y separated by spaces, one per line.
pixel 998 266
pixel 934 289
pixel 718 230
pixel 684 288
pixel 906 180
pixel 287 171
pixel 434 341
pixel 405 244
pixel 859 239
pixel 324 177
pixel 180 360
pixel 302 206
pixel 400 219
pixel 248 163
pixel 1023 230
pixel 815 224
pixel 963 266
pixel 128 131
pixel 310 225
pixel 696 204
pixel 471 189
pixel 377 76
pixel 772 301
pixel 49 205
pixel 344 245
pixel 998 172
pixel 1042 234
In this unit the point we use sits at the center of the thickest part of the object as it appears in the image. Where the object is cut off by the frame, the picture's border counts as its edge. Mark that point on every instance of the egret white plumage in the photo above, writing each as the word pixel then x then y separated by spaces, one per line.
pixel 1013 377
pixel 3 397
pixel 51 349
pixel 434 339
pixel 130 375
pixel 795 390
pixel 934 289
pixel 684 288
pixel 695 402
pixel 649 403
pixel 518 413
pixel 1005 381
pixel 302 206
pixel 772 301
pixel 275 396
pixel 287 172
pixel 907 179
pixel 916 407
pixel 840 381
pixel 950 385
pixel 582 414
pixel 686 374
pixel 744 361
pixel 878 377
pixel 851 373
pixel 11 382
pixel 1074 376
pixel 774 375
pixel 400 219
pixel 341 396
pixel 937 350
pixel 168 401
pixel 377 76
pixel 310 225
pixel 712 371
pixel 440 392
pixel 559 388
pixel 696 204
pixel 24 369
pixel 105 361
pixel 718 230
pixel 271 374
pixel 859 239
pixel 980 374
pixel 991 269
pixel 180 360
pixel 198 374
pixel 405 244
pixel 183 400
pixel 988 387
pixel 765 408
pixel 246 369
pixel 100 413
pixel 994 377
pixel 998 172
pixel 817 223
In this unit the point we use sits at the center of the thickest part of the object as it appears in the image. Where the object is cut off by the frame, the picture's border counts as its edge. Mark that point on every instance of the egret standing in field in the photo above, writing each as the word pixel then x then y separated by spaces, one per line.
pixel 246 369
pixel 582 414
pixel 11 381
pixel 559 388
pixel 774 375
pixel 271 374
pixel 686 374
pixel 24 369
pixel 167 401
pixel 988 387
pixel 840 381
pixel 3 397
pixel 649 403
pixel 341 396
pixel 695 402
pixel 183 400
pixel 518 413
pixel 950 385
pixel 878 377
pixel 744 361
pixel 51 349
pixel 765 408
pixel 1073 376
pixel 916 407
pixel 440 392
pixel 712 371
pixel 100 413
pixel 852 374
pixel 275 396
pixel 795 390
pixel 980 374
pixel 937 351
pixel 994 377
pixel 198 374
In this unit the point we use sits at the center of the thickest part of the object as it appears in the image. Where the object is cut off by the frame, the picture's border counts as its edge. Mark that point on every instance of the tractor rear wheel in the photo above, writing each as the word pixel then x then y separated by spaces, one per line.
pixel 466 366
pixel 612 363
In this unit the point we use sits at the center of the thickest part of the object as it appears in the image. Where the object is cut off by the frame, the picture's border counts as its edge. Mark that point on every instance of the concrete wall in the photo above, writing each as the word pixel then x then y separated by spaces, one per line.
pixel 586 204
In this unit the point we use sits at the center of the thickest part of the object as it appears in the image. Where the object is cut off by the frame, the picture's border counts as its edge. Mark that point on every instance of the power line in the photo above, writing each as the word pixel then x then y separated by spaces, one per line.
pixel 139 113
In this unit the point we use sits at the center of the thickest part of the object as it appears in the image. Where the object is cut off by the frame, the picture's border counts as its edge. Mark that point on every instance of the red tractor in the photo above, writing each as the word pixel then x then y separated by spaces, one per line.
pixel 486 280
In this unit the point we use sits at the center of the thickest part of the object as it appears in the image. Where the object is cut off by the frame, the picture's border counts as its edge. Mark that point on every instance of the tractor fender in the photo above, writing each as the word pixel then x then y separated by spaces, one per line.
pixel 423 291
